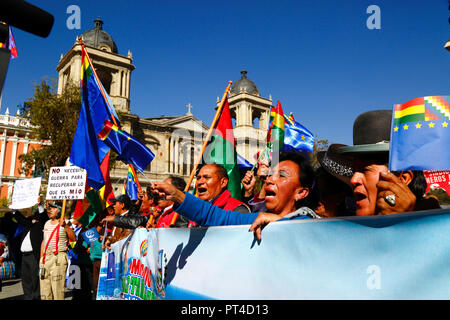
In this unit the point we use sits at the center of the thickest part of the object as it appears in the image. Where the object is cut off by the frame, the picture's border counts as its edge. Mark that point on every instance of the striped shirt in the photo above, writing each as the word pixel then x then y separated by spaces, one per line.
pixel 63 238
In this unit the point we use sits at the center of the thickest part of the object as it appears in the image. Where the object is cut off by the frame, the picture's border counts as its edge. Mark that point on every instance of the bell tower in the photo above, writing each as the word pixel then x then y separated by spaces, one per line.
pixel 250 113
pixel 113 69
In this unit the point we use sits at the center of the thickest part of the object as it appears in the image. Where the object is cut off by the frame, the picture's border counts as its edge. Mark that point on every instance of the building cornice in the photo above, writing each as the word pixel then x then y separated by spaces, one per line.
pixel 98 56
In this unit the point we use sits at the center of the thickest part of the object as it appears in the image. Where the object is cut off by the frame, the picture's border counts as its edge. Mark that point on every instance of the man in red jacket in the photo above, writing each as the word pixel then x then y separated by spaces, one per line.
pixel 211 185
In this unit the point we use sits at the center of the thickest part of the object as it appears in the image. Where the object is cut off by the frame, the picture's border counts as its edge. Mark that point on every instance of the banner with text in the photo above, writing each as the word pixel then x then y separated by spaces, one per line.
pixel 403 256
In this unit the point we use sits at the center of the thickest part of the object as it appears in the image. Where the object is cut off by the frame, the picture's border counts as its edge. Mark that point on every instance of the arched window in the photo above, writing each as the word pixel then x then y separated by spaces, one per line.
pixel 256 115
pixel 105 78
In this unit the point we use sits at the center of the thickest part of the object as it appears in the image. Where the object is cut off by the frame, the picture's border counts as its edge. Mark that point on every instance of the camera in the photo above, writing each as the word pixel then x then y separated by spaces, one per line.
pixel 25 16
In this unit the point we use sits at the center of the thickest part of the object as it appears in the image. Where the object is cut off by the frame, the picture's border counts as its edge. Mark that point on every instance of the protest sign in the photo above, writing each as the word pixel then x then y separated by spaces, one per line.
pixel 66 183
pixel 399 256
pixel 438 180
pixel 26 193
pixel 90 235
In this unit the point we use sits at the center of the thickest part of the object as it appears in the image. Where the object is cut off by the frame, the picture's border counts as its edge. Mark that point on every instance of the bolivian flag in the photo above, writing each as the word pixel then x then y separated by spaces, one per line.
pixel 422 109
pixel 276 130
pixel 420 135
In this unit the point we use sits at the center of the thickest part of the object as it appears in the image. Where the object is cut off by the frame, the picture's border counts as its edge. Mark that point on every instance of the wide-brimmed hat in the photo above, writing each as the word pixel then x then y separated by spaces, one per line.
pixel 371 133
pixel 335 163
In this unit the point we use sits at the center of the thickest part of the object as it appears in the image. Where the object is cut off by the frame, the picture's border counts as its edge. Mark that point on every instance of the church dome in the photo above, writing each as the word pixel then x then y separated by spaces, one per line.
pixel 98 38
pixel 244 85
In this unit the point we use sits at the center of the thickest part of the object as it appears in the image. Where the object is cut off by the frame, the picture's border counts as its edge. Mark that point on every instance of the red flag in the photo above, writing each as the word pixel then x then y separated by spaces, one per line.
pixel 10 44
pixel 95 201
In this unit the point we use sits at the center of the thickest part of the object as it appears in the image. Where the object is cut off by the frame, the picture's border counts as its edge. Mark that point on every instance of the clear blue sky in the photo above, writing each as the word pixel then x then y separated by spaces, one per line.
pixel 317 58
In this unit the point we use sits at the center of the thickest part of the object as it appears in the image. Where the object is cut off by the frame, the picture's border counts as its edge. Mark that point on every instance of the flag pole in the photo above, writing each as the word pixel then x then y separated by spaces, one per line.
pixel 263 152
pixel 63 209
pixel 205 143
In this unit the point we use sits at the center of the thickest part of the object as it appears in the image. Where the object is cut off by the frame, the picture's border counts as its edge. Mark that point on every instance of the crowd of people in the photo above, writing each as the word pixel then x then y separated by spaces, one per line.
pixel 351 181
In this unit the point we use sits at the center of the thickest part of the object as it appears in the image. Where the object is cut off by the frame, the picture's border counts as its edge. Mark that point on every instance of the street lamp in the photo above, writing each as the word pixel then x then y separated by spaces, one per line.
pixel 447 45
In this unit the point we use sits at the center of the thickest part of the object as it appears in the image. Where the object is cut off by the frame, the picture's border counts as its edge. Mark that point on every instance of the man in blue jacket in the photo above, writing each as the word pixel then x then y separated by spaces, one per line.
pixel 289 195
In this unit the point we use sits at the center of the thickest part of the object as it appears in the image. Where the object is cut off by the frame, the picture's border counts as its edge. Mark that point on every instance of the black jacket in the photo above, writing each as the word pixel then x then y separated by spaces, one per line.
pixel 133 221
pixel 36 230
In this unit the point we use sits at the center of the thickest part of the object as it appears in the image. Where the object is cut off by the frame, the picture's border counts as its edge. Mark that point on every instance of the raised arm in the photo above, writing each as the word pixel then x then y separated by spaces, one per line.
pixel 197 210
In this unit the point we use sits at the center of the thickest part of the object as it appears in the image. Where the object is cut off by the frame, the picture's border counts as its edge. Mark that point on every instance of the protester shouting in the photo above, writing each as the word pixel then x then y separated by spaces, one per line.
pixel 376 190
pixel 287 196
pixel 211 185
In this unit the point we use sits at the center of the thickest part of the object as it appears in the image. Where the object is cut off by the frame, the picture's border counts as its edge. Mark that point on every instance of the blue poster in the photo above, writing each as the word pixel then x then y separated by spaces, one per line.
pixel 90 235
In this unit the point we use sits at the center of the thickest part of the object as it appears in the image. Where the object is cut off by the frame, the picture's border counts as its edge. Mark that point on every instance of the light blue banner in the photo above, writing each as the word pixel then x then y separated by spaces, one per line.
pixel 404 256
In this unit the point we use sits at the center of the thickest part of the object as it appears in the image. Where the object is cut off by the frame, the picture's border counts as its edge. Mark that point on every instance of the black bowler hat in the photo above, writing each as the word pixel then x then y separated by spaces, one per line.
pixel 371 133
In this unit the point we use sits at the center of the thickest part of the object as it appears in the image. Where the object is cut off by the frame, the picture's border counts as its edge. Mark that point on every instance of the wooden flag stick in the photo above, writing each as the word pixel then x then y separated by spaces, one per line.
pixel 205 143
pixel 63 209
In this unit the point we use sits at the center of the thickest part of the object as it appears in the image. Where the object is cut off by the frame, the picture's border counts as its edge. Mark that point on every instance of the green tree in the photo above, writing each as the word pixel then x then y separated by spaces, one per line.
pixel 53 118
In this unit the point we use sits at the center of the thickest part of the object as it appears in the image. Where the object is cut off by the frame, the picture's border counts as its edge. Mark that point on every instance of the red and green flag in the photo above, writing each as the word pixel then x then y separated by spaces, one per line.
pixel 222 150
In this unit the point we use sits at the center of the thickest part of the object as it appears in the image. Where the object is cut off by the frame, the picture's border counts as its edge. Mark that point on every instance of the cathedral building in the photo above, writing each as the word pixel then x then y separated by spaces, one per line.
pixel 176 141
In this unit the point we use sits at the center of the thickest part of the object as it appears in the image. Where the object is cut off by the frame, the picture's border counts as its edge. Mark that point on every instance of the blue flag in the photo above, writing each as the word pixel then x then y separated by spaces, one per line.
pixel 420 135
pixel 296 136
pixel 87 150
pixel 98 130
pixel 129 149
